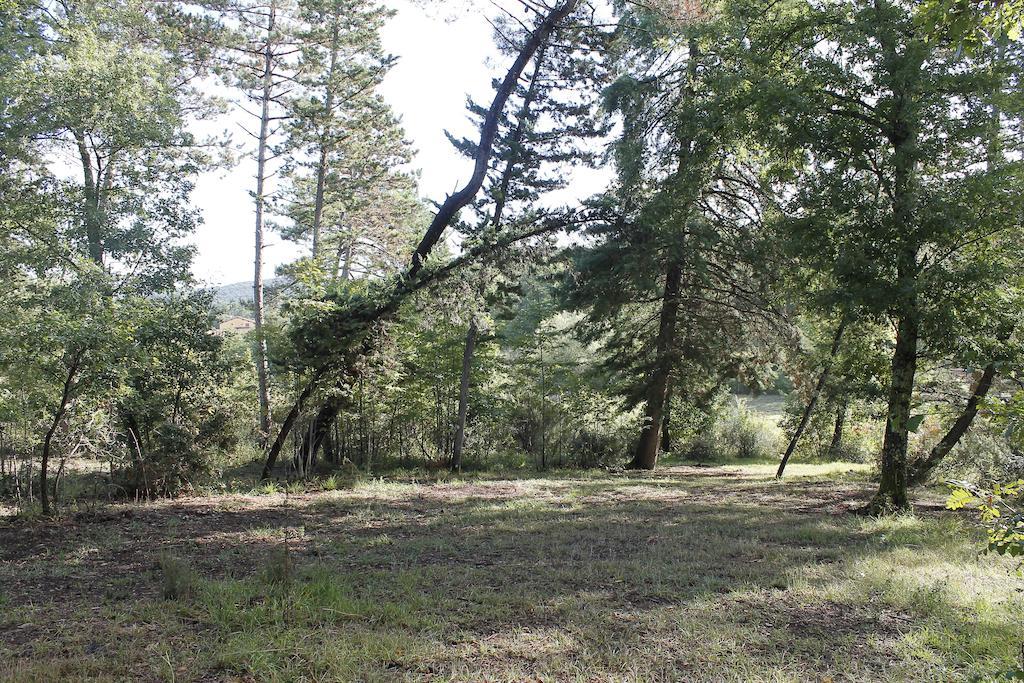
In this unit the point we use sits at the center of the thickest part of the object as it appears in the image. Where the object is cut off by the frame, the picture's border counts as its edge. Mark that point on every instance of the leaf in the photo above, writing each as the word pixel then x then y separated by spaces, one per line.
pixel 914 423
pixel 958 499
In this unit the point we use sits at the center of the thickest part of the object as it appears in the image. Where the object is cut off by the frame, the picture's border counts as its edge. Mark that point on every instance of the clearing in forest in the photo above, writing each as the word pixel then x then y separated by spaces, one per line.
pixel 691 573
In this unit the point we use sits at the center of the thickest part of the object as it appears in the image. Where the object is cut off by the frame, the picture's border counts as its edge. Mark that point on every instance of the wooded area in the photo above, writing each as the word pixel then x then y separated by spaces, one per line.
pixel 719 405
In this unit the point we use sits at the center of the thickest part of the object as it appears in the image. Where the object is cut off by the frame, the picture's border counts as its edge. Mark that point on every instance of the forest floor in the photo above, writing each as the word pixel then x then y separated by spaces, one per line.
pixel 690 573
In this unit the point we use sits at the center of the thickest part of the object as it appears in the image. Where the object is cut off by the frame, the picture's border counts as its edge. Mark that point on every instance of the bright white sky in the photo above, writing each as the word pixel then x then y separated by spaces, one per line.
pixel 442 59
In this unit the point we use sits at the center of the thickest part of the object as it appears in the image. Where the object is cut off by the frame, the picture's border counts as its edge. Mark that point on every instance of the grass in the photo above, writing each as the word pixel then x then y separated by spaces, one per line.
pixel 693 573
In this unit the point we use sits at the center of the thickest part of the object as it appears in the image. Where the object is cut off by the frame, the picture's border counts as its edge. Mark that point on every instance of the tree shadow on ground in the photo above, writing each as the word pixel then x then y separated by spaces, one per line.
pixel 681 575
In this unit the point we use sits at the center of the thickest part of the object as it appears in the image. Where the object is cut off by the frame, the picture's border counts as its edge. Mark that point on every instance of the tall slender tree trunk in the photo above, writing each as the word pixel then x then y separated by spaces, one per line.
pixel 666 421
pixel 467 367
pixel 815 395
pixel 321 167
pixel 58 415
pixel 921 469
pixel 646 455
pixel 262 363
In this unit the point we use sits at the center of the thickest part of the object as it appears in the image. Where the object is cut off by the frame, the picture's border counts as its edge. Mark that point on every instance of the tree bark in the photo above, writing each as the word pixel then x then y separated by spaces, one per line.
pixel 815 395
pixel 467 367
pixel 921 469
pixel 262 363
pixel 646 456
pixel 666 420
pixel 892 489
pixel 837 432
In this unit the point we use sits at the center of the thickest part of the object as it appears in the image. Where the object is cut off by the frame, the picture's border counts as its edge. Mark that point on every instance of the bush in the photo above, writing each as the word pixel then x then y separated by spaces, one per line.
pixel 278 569
pixel 739 434
pixel 169 467
pixel 178 579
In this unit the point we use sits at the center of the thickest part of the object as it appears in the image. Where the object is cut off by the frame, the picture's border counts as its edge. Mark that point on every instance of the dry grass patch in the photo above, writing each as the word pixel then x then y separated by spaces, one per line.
pixel 691 573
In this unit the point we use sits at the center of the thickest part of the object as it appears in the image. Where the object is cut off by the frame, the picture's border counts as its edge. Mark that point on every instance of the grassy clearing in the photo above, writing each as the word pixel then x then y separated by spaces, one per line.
pixel 691 574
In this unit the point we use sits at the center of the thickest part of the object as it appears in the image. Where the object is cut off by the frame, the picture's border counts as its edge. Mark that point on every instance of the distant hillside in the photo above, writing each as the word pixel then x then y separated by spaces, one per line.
pixel 242 291
pixel 236 298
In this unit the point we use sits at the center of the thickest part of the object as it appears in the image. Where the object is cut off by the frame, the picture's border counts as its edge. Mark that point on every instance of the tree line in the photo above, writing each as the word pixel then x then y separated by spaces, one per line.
pixel 824 194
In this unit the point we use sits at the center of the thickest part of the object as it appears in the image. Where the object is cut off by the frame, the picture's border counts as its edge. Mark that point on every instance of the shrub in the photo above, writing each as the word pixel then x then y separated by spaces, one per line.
pixel 739 434
pixel 178 579
pixel 1001 511
pixel 278 569
pixel 983 456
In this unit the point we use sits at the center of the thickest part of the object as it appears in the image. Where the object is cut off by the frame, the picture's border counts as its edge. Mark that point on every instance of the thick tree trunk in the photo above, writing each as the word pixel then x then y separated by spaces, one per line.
pixel 646 456
pixel 262 363
pixel 815 395
pixel 892 490
pixel 467 368
pixel 921 469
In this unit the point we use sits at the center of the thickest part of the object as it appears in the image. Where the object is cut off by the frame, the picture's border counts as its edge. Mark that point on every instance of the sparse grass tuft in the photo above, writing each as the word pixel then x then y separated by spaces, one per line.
pixel 177 578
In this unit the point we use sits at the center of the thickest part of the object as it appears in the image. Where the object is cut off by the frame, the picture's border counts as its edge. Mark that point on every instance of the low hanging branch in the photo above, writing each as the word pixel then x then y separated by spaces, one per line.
pixel 411 280
pixel 819 387
pixel 920 470
pixel 550 225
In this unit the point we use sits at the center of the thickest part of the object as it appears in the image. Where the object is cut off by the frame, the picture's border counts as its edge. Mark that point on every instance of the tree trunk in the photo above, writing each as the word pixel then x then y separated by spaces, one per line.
pixel 467 367
pixel 921 469
pixel 58 415
pixel 262 364
pixel 321 167
pixel 91 215
pixel 822 380
pixel 646 456
pixel 456 202
pixel 666 419
pixel 837 432
pixel 892 490
pixel 902 135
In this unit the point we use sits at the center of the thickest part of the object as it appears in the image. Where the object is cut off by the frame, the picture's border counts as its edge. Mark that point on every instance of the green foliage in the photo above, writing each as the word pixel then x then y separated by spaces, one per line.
pixel 999 510
pixel 981 457
pixel 736 433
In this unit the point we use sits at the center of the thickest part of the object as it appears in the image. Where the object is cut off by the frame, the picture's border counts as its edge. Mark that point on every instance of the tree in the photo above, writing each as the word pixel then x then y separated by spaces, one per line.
pixel 357 325
pixel 265 56
pixel 893 199
pixel 113 85
pixel 670 269
pixel 550 125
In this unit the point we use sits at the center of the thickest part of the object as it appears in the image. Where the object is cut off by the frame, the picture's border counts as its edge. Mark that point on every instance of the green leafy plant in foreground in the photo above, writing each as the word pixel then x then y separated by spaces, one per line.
pixel 1002 516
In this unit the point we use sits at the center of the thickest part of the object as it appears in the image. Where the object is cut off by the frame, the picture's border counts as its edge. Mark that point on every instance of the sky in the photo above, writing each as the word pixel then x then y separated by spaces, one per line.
pixel 443 56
